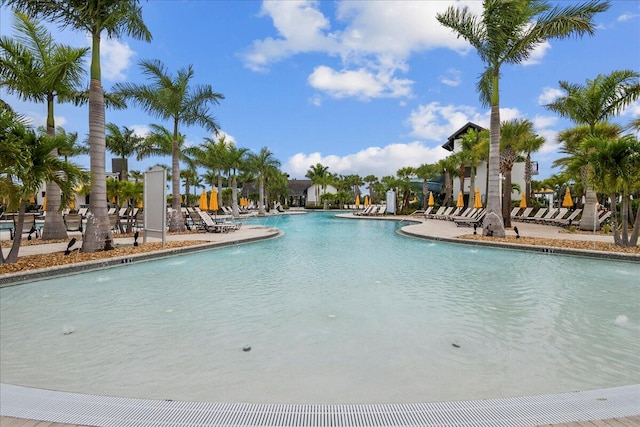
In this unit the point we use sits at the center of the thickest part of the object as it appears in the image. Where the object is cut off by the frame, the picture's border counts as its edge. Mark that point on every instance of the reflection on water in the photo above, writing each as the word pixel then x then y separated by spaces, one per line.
pixel 336 311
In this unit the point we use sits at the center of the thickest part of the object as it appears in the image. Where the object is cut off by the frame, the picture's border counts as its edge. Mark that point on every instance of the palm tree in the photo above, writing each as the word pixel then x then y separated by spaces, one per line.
pixel 172 98
pixel 514 135
pixel 189 176
pixel 320 177
pixel 36 68
pixel 212 155
pixel 508 32
pixel 262 162
pixel 447 167
pixel 404 180
pixel 370 180
pixel 426 172
pixel 116 18
pixel 475 148
pixel 596 102
pixel 71 147
pixel 26 163
pixel 615 168
pixel 123 143
pixel 530 145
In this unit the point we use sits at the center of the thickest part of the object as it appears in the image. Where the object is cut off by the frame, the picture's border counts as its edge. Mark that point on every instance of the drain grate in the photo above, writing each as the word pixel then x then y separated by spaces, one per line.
pixel 106 411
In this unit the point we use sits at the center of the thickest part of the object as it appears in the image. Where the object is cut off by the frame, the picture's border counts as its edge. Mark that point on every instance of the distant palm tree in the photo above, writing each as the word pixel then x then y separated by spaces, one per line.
pixel 370 180
pixel 170 97
pixel 426 172
pixel 116 18
pixel 236 159
pixel 592 103
pixel 404 179
pixel 212 155
pixel 320 177
pixel 36 68
pixel 261 163
pixel 124 143
pixel 508 32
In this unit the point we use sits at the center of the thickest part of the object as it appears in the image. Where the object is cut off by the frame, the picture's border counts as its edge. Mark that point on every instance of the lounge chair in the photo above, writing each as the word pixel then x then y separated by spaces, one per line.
pixel 218 227
pixel 562 212
pixel 73 222
pixel 523 215
pixel 28 226
pixel 550 214
pixel 470 222
pixel 83 211
pixel 566 221
pixel 366 210
pixel 531 218
pixel 440 211
pixel 428 211
pixel 466 214
pixel 447 212
pixel 514 212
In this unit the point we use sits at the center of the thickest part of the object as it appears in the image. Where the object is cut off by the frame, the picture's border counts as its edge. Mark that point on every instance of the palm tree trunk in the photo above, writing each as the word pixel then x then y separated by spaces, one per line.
pixel 624 216
pixel 261 196
pixel 506 204
pixel 97 236
pixel 234 196
pixel 472 187
pixel 54 227
pixel 493 222
pixel 527 178
pixel 176 223
pixel 633 240
pixel 12 257
pixel 589 220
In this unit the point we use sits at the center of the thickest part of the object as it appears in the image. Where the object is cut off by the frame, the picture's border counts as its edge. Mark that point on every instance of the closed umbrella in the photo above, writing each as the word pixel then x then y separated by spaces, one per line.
pixel 431 200
pixel 477 203
pixel 460 202
pixel 44 203
pixel 203 200
pixel 367 200
pixel 568 200
pixel 213 202
pixel 523 201
pixel 72 204
pixel 357 201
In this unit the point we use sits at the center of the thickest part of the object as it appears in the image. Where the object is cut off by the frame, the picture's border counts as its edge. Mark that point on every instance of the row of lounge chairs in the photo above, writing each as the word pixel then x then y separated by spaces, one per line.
pixel 560 217
pixel 372 210
pixel 203 221
pixel 468 217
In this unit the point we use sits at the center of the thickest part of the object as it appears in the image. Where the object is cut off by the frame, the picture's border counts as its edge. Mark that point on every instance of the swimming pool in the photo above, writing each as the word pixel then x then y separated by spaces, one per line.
pixel 335 311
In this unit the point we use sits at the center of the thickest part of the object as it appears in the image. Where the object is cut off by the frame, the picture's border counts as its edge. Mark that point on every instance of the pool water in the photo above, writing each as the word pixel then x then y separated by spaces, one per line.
pixel 336 311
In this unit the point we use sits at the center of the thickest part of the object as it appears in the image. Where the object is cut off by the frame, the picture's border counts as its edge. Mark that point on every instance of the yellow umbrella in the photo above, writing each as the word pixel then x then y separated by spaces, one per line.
pixel 460 202
pixel 72 203
pixel 568 200
pixel 32 200
pixel 140 204
pixel 523 201
pixel 357 201
pixel 44 203
pixel 213 202
pixel 477 203
pixel 203 200
pixel 431 201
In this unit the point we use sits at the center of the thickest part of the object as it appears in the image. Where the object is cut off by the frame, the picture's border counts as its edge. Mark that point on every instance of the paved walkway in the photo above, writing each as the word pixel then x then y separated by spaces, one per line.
pixel 437 229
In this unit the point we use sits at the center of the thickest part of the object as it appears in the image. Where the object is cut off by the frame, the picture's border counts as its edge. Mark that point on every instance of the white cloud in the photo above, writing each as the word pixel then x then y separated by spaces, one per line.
pixel 549 94
pixel 628 16
pixel 378 161
pixel 452 78
pixel 359 83
pixel 437 122
pixel 315 100
pixel 140 130
pixel 115 58
pixel 632 110
pixel 373 40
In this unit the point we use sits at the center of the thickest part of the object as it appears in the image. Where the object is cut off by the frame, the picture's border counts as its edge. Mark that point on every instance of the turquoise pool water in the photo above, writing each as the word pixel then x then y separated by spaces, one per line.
pixel 336 311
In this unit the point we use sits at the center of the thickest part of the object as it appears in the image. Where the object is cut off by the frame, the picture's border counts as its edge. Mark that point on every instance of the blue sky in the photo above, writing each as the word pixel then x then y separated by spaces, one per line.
pixel 364 87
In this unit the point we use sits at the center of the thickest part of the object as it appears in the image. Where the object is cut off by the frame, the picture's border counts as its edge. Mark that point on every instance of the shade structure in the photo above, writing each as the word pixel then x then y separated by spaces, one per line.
pixel 567 202
pixel 477 202
pixel 431 200
pixel 523 201
pixel 213 202
pixel 357 200
pixel 460 202
pixel 203 201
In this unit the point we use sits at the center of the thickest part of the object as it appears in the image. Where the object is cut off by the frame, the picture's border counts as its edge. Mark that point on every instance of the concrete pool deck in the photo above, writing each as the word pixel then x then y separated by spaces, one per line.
pixel 28 407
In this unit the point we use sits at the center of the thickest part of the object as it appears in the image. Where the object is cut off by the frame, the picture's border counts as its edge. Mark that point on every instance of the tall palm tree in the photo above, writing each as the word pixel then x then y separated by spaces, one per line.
pixel 370 180
pixel 475 148
pixel 26 163
pixel 122 142
pixel 507 32
pixel 262 162
pixel 172 98
pixel 404 179
pixel 596 102
pixel 115 18
pixel 426 172
pixel 530 145
pixel 36 68
pixel 448 168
